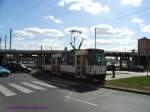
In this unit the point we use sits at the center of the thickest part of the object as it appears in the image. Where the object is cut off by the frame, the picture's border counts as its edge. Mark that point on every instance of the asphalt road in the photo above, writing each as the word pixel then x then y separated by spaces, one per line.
pixel 38 92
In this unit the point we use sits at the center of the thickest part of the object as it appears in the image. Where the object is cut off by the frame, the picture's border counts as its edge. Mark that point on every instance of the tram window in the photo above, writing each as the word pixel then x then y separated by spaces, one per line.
pixel 47 60
pixel 97 59
pixel 100 60
pixel 70 60
pixel 83 59
pixel 78 59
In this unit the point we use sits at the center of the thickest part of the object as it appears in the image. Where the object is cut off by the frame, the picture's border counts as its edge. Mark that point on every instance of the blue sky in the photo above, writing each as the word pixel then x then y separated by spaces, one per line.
pixel 48 22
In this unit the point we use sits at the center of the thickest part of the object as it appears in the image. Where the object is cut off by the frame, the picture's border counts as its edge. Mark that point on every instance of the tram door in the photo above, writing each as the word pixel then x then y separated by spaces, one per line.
pixel 81 66
pixel 56 64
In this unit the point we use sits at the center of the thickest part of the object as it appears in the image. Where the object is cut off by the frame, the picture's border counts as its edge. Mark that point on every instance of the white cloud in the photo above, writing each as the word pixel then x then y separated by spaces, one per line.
pixel 105 29
pixel 21 44
pixel 29 38
pixel 22 34
pixel 108 37
pixel 52 44
pixel 85 5
pixel 138 21
pixel 111 38
pixel 146 29
pixel 61 3
pixel 111 44
pixel 47 44
pixel 52 18
pixel 134 3
pixel 40 32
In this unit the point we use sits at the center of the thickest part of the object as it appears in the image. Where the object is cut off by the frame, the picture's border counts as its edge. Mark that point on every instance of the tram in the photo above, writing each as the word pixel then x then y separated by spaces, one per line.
pixel 85 64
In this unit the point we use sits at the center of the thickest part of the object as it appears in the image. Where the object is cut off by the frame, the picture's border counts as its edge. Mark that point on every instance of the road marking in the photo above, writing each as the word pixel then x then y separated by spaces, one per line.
pixel 6 91
pixel 21 88
pixel 44 84
pixel 34 86
pixel 82 101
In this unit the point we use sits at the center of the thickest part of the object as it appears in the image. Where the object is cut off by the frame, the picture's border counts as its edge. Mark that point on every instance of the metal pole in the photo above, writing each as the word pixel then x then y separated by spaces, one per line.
pixel 74 41
pixel 5 41
pixel 10 38
pixel 0 43
pixel 95 37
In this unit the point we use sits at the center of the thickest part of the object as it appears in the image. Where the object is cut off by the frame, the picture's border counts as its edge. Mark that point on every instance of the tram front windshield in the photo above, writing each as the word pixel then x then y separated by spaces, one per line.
pixel 97 58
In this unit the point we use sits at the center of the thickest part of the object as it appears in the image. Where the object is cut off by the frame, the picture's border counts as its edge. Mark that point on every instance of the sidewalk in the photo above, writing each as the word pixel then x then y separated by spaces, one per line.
pixel 124 74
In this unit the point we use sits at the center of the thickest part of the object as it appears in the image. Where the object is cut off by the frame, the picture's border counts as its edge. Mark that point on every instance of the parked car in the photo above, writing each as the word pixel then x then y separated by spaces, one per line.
pixel 17 67
pixel 136 68
pixel 4 71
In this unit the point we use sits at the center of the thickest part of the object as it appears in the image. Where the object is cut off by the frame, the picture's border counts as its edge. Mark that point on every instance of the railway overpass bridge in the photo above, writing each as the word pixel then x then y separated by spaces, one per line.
pixel 35 56
pixel 130 58
pixel 28 57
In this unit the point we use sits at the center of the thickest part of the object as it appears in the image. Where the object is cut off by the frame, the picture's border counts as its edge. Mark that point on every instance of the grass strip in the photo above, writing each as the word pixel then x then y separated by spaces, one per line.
pixel 140 82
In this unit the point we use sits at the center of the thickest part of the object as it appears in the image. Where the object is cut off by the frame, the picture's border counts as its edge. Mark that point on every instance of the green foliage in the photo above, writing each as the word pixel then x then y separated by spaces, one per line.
pixel 141 82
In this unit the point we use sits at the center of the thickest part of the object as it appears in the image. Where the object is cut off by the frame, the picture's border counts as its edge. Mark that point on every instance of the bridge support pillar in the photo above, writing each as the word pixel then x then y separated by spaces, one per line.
pixel 121 58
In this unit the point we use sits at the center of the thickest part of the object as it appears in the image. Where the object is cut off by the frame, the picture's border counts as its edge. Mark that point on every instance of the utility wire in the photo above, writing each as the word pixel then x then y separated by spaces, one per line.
pixel 126 15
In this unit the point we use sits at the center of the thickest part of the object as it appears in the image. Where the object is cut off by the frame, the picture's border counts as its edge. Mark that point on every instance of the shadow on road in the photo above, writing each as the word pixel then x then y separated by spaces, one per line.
pixel 64 82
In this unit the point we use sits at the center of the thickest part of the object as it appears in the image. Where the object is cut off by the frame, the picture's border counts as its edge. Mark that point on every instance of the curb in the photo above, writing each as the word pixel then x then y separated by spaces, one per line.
pixel 126 89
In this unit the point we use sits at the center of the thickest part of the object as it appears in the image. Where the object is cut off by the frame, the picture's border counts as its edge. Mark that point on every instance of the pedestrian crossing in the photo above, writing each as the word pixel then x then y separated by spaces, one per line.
pixel 24 87
pixel 44 84
pixel 6 91
pixel 21 88
pixel 34 86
